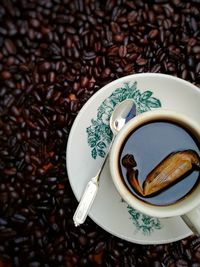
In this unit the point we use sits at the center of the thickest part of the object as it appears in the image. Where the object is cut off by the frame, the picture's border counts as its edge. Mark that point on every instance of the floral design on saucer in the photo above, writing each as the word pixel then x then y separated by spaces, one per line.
pixel 142 222
pixel 98 133
pixel 99 136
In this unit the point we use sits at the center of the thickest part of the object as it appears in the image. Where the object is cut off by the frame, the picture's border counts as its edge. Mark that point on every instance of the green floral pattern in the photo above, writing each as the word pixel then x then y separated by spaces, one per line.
pixel 99 133
pixel 143 223
pixel 100 136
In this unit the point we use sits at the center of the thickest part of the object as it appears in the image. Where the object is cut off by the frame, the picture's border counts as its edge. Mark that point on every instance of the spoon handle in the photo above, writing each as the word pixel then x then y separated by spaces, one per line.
pixel 86 201
pixel 89 194
pixel 117 120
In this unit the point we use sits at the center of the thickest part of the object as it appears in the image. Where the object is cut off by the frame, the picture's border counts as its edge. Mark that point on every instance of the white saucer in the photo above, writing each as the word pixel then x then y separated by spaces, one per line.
pixel 84 157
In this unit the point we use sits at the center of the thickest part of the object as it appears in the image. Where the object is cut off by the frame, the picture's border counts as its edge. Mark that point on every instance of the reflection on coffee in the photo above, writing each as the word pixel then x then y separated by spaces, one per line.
pixel 159 162
pixel 169 171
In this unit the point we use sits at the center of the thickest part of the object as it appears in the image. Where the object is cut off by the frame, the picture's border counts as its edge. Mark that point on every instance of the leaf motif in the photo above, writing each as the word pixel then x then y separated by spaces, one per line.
pixel 100 112
pixel 137 95
pixel 114 93
pixel 92 142
pixel 131 88
pixel 101 145
pixel 97 136
pixel 117 99
pixel 108 138
pixel 153 102
pixel 120 93
pixel 146 219
pixel 101 153
pixel 156 224
pixel 145 95
pixel 89 130
pixel 142 107
pixel 91 138
pixel 119 90
pixel 94 153
pixel 94 122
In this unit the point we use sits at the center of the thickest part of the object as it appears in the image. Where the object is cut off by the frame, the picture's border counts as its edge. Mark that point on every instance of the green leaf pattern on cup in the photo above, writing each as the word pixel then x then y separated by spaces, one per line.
pixel 99 136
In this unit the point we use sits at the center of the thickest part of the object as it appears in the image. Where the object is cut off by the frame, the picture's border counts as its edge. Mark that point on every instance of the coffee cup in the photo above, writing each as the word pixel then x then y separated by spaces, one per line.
pixel 155 165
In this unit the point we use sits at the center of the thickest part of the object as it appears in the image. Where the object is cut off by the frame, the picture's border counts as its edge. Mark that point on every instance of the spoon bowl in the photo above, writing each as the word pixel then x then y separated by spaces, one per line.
pixel 122 113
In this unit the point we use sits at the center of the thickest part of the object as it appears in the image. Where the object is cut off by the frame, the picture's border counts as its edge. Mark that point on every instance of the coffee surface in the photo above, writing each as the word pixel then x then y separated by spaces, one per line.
pixel 150 144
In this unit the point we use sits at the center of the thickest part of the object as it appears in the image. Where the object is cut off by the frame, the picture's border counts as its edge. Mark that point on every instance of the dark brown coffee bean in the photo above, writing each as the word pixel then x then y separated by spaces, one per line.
pixel 119 38
pixel 156 68
pixel 168 260
pixel 141 61
pixel 35 23
pixel 198 68
pixel 122 51
pixel 182 263
pixel 196 49
pixel 115 28
pixel 7 233
pixel 193 24
pixel 167 24
pixel 70 30
pixel 192 41
pixel 113 50
pixel 10 46
pixel 197 254
pixel 44 67
pixel 34 264
pixel 10 171
pixel 84 82
pixel 5 75
pixel 153 33
pixel 184 74
pixel 99 247
pixel 188 254
pixel 106 73
pixel 15 111
pixel 129 68
pixel 156 264
pixel 89 55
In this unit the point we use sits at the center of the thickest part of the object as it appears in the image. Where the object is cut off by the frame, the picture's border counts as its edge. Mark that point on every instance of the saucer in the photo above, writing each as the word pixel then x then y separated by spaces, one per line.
pixel 90 137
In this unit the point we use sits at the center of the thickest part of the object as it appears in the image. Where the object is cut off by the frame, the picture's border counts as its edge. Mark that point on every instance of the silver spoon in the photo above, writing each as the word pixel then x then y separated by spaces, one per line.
pixel 122 113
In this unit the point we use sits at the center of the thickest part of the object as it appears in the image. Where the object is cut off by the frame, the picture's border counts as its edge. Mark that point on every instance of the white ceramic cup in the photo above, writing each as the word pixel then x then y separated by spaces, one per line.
pixel 189 207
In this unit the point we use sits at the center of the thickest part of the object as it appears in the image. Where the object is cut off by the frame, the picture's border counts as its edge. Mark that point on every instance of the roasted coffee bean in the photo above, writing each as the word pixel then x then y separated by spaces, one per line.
pixel 182 263
pixel 44 66
pixel 122 51
pixel 153 33
pixel 34 264
pixel 10 171
pixel 10 46
pixel 156 264
pixel 141 61
pixel 196 49
pixel 5 75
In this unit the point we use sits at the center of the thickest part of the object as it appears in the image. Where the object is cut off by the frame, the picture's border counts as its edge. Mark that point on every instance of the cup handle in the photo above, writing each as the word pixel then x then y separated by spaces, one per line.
pixel 192 219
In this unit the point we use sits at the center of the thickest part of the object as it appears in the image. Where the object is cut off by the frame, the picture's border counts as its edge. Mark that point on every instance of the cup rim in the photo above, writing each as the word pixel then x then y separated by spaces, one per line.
pixel 181 207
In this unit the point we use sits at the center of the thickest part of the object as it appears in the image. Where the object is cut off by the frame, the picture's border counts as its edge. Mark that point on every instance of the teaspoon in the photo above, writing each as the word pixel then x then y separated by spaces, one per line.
pixel 122 113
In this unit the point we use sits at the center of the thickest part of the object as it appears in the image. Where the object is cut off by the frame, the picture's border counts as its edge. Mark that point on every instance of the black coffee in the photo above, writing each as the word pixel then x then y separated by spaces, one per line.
pixel 150 144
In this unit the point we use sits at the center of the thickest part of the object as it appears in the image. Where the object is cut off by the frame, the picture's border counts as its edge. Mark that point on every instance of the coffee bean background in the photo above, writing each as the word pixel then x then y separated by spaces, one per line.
pixel 54 55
